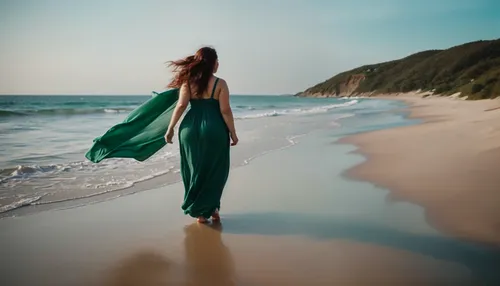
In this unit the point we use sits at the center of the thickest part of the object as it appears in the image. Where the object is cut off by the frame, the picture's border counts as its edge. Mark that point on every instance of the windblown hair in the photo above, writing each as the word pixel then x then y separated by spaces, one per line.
pixel 195 70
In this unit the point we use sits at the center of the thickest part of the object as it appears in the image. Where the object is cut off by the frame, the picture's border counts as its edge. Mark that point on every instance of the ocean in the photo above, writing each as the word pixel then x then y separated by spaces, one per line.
pixel 44 139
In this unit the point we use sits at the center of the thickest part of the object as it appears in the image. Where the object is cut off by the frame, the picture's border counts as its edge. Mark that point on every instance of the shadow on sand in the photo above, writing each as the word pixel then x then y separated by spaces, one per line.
pixel 482 261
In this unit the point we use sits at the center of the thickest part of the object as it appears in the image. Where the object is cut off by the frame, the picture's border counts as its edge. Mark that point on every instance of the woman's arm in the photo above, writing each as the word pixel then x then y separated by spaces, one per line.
pixel 227 113
pixel 181 106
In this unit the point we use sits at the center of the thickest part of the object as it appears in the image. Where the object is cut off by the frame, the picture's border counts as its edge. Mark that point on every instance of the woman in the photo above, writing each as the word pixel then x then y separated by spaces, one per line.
pixel 204 132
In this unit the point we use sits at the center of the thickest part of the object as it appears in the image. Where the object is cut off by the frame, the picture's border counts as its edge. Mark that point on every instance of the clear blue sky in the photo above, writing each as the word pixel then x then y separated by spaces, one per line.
pixel 265 46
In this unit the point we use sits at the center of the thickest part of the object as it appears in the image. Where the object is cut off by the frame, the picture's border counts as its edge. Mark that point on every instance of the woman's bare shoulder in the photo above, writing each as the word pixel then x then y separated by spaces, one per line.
pixel 222 82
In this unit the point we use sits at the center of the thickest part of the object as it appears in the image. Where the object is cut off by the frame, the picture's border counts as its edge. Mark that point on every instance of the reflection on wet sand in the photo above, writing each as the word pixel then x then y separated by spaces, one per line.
pixel 143 268
pixel 286 249
pixel 208 260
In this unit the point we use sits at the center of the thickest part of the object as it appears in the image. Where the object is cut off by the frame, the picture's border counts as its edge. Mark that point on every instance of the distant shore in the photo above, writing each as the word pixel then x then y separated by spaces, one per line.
pixel 449 164
pixel 470 69
pixel 374 94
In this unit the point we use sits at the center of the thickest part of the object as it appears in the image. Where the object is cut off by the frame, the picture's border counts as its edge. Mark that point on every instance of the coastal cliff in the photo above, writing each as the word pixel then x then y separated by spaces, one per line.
pixel 471 69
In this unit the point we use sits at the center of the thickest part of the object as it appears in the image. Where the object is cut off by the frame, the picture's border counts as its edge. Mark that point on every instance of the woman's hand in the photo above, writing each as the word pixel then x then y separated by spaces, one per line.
pixel 169 136
pixel 234 139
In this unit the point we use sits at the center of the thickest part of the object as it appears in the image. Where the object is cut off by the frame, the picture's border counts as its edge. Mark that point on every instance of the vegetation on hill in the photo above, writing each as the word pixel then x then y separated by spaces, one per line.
pixel 473 69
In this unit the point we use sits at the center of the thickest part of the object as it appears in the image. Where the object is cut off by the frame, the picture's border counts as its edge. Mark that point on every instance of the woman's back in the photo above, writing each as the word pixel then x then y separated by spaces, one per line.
pixel 205 115
pixel 212 91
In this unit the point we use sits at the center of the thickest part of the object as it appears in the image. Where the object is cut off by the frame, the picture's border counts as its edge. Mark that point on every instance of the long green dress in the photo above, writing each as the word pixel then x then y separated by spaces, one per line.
pixel 204 148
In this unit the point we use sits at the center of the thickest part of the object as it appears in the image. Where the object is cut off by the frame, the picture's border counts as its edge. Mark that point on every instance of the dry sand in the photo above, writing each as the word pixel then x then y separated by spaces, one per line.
pixel 450 164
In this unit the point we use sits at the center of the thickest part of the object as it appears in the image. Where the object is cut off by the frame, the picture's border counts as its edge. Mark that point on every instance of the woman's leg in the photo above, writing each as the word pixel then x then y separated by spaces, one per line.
pixel 202 219
pixel 215 215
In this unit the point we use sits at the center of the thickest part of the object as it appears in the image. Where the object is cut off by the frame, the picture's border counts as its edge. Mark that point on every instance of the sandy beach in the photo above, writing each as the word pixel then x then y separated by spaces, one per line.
pixel 289 217
pixel 449 164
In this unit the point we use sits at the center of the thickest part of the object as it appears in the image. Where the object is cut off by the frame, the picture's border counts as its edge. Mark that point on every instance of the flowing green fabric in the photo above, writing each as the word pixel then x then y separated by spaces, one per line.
pixel 204 147
pixel 141 134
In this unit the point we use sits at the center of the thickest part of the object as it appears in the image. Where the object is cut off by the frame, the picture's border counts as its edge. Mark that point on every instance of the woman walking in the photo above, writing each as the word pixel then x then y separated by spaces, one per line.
pixel 205 133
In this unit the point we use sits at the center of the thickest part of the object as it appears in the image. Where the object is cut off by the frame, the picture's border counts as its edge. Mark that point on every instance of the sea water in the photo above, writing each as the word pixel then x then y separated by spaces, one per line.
pixel 43 140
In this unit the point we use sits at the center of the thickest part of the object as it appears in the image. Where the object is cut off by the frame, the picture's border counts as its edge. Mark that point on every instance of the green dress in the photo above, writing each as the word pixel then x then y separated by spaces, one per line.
pixel 204 149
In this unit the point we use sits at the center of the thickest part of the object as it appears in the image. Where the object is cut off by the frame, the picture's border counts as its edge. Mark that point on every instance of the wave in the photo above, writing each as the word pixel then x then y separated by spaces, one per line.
pixel 62 111
pixel 22 202
pixel 7 113
pixel 350 97
pixel 75 103
pixel 250 107
pixel 122 185
pixel 245 107
pixel 259 115
pixel 8 103
pixel 297 111
pixel 26 172
pixel 23 172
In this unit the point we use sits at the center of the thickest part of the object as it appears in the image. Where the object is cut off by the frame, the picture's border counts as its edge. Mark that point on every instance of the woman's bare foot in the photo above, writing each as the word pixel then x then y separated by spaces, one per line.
pixel 202 220
pixel 215 215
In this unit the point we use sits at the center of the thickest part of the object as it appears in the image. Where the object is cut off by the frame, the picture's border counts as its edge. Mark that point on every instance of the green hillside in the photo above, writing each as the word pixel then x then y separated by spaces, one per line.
pixel 472 69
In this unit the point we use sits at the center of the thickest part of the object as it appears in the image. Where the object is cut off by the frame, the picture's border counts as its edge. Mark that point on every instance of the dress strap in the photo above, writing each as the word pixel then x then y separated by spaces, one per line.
pixel 215 85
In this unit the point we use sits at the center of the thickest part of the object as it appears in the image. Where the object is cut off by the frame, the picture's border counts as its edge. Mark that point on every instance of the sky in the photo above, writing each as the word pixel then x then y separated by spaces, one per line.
pixel 115 47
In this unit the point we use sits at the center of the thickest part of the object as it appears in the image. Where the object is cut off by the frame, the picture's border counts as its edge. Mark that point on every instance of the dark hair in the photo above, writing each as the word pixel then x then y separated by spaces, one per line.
pixel 196 69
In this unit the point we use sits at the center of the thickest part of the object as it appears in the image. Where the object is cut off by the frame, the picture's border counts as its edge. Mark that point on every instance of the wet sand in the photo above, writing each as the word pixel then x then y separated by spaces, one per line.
pixel 449 164
pixel 288 218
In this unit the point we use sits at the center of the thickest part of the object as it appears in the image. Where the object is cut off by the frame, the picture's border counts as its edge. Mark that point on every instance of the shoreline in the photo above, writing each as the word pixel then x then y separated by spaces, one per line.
pixel 160 181
pixel 447 167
